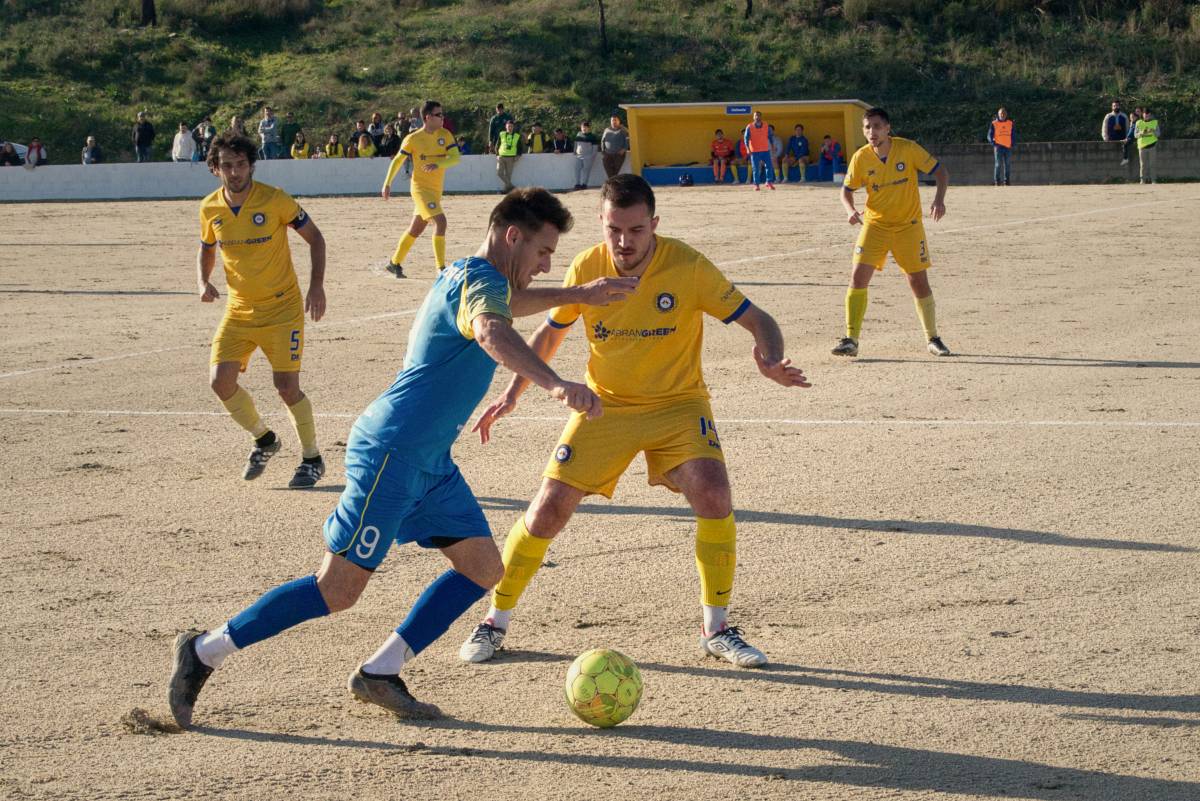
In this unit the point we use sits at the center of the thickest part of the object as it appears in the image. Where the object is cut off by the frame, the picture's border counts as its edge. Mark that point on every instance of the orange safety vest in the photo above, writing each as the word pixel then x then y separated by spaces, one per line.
pixel 1002 132
pixel 760 141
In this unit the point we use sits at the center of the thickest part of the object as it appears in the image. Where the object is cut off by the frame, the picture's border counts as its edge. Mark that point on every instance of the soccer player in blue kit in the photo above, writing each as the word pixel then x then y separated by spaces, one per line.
pixel 401 484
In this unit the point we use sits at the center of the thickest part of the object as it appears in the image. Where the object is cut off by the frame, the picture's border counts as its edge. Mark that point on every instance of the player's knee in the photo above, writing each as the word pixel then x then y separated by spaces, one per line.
pixel 713 502
pixel 224 386
pixel 486 572
pixel 339 596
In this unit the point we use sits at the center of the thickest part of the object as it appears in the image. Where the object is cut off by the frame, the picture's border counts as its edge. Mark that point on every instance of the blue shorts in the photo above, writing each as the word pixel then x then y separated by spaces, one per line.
pixel 388 501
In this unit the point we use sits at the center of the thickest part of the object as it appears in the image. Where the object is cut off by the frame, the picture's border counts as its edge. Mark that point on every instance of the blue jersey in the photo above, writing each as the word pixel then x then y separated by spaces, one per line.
pixel 797 146
pixel 445 372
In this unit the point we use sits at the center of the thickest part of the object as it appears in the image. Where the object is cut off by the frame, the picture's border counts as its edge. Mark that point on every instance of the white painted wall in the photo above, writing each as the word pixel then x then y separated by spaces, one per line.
pixel 301 178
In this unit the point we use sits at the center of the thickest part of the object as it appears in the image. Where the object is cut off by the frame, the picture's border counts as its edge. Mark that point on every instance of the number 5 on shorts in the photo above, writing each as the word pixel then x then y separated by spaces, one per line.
pixel 295 344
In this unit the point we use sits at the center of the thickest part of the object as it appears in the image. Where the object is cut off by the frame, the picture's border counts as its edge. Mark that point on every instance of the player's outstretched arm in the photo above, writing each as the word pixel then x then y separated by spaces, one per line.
pixel 852 215
pixel 206 260
pixel 768 349
pixel 393 168
pixel 314 302
pixel 937 210
pixel 601 292
pixel 495 335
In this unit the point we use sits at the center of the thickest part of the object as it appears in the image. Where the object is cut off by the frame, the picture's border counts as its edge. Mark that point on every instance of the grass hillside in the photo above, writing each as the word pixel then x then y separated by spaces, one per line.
pixel 70 67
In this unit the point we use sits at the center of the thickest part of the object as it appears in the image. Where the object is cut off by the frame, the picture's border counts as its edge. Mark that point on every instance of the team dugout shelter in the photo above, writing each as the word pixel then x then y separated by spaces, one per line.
pixel 669 140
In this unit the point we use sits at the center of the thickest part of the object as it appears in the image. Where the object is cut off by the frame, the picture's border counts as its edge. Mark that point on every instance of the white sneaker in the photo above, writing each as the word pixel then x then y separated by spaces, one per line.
pixel 728 644
pixel 483 644
pixel 937 347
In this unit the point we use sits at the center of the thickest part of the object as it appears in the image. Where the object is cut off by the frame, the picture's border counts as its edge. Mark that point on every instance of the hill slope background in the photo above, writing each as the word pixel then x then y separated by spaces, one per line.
pixel 70 68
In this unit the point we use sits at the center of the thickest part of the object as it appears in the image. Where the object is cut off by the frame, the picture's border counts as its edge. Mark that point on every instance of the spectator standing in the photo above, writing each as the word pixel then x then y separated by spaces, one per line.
pixel 538 140
pixel 720 150
pixel 1115 128
pixel 759 141
pixel 366 147
pixel 560 143
pixel 508 150
pixel 288 131
pixel 183 147
pixel 796 152
pixel 389 143
pixel 1147 131
pixel 496 126
pixel 614 144
pixel 203 134
pixel 333 148
pixel 300 148
pixel 92 154
pixel 401 124
pixel 415 121
pixel 464 147
pixel 36 155
pixel 375 129
pixel 586 145
pixel 9 156
pixel 360 128
pixel 1129 137
pixel 237 126
pixel 143 137
pixel 1002 136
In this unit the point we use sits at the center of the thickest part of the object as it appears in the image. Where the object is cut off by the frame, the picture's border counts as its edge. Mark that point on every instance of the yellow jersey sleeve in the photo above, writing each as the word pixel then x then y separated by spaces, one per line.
pixel 208 234
pixel 920 158
pixel 854 173
pixel 715 294
pixel 563 316
pixel 289 210
pixel 404 154
pixel 483 292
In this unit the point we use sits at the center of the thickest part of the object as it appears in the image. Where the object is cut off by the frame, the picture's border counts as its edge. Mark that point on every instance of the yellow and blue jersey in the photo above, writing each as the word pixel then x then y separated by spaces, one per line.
pixel 425 147
pixel 893 197
pixel 446 373
pixel 254 250
pixel 646 347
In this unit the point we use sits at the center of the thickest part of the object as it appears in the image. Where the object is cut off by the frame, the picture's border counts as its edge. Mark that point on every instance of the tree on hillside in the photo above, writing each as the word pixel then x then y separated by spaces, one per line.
pixel 603 30
pixel 149 13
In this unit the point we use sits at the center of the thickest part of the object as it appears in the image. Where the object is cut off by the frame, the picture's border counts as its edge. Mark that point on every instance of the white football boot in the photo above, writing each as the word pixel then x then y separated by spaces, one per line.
pixel 483 643
pixel 728 644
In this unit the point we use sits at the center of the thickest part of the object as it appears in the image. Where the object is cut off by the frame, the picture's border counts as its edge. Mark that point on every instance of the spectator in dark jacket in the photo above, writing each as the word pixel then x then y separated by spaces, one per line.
pixel 92 154
pixel 560 143
pixel 143 137
pixel 9 156
pixel 389 143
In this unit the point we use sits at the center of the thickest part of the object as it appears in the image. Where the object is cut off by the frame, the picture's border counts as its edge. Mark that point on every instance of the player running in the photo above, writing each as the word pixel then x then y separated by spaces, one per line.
pixel 249 220
pixel 644 364
pixel 433 150
pixel 401 484
pixel 887 166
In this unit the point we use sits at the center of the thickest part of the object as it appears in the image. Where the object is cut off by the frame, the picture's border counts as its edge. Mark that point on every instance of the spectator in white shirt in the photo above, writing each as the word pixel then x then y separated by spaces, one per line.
pixel 184 146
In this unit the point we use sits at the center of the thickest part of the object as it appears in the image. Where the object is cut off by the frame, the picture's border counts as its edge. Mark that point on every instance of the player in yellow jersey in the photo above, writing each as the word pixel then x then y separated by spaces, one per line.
pixel 433 150
pixel 644 364
pixel 887 168
pixel 249 221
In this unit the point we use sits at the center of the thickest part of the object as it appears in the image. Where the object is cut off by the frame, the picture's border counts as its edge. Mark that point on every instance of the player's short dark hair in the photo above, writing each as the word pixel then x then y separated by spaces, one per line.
pixel 718 131
pixel 232 140
pixel 876 111
pixel 428 106
pixel 627 190
pixel 529 208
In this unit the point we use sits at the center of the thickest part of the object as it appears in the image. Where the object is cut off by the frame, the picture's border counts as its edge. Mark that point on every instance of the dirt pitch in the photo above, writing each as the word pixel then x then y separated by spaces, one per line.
pixel 976 577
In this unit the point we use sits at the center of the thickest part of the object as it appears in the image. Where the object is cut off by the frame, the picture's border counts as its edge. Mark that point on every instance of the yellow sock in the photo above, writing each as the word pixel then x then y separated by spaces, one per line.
pixel 523 555
pixel 856 310
pixel 716 558
pixel 241 408
pixel 439 251
pixel 306 428
pixel 402 248
pixel 927 315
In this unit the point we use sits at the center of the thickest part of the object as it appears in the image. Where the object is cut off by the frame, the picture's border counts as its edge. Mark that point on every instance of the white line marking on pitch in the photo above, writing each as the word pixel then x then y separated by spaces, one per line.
pixel 80 362
pixel 786 421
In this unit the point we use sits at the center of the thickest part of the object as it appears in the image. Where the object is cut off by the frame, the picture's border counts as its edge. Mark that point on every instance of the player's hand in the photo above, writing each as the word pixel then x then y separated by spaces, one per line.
pixel 855 218
pixel 429 167
pixel 314 304
pixel 208 292
pixel 578 397
pixel 781 372
pixel 386 192
pixel 937 210
pixel 604 291
pixel 506 403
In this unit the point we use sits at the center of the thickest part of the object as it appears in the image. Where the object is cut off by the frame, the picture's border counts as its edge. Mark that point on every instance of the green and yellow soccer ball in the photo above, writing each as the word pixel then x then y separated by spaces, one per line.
pixel 603 687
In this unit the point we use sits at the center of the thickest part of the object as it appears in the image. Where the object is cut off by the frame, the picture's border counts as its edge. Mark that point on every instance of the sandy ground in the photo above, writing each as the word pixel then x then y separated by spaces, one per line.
pixel 976 577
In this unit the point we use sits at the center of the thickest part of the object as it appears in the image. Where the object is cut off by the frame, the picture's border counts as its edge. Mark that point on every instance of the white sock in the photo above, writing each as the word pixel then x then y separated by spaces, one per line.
pixel 715 618
pixel 500 618
pixel 390 657
pixel 212 647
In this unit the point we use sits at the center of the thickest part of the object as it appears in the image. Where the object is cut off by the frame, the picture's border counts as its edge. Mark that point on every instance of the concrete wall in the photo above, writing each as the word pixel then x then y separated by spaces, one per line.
pixel 1068 162
pixel 302 178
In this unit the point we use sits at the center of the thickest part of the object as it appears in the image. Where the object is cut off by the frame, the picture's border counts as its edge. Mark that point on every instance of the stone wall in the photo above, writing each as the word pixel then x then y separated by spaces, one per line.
pixel 1068 162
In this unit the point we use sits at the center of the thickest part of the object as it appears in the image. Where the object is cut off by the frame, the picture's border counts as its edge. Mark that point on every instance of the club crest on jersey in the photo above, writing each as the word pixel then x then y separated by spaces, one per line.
pixel 899 166
pixel 441 140
pixel 259 218
pixel 858 249
pixel 563 454
pixel 665 302
pixel 431 205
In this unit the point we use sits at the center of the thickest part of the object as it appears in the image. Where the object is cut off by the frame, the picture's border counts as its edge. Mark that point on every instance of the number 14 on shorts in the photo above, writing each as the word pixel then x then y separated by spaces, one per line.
pixel 708 430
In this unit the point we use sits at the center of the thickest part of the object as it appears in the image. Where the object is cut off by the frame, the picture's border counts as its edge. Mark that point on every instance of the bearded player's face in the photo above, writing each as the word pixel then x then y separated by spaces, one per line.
pixel 235 171
pixel 629 234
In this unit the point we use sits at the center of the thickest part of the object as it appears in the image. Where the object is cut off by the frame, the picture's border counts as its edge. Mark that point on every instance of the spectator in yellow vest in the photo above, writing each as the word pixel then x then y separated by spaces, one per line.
pixel 508 150
pixel 1147 132
pixel 1002 137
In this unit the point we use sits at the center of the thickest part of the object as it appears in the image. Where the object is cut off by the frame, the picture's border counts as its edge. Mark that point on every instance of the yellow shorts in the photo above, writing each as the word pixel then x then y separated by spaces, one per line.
pixel 282 344
pixel 907 247
pixel 427 203
pixel 591 455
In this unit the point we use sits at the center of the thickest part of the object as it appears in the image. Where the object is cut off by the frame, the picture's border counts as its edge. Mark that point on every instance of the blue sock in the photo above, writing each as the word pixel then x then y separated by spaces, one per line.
pixel 442 603
pixel 281 608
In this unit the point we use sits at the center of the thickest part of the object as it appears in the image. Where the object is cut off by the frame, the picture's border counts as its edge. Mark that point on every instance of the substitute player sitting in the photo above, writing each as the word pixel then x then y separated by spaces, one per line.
pixel 401 483
pixel 720 154
pixel 433 150
pixel 249 220
pixel 887 167
pixel 644 364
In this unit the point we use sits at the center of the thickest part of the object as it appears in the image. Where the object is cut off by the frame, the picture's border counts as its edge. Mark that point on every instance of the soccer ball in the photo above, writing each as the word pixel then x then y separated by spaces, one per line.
pixel 603 687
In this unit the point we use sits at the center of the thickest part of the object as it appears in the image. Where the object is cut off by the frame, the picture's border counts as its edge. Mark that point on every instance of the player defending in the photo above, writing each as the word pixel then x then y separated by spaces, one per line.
pixel 249 220
pixel 401 485
pixel 887 166
pixel 644 364
pixel 433 150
